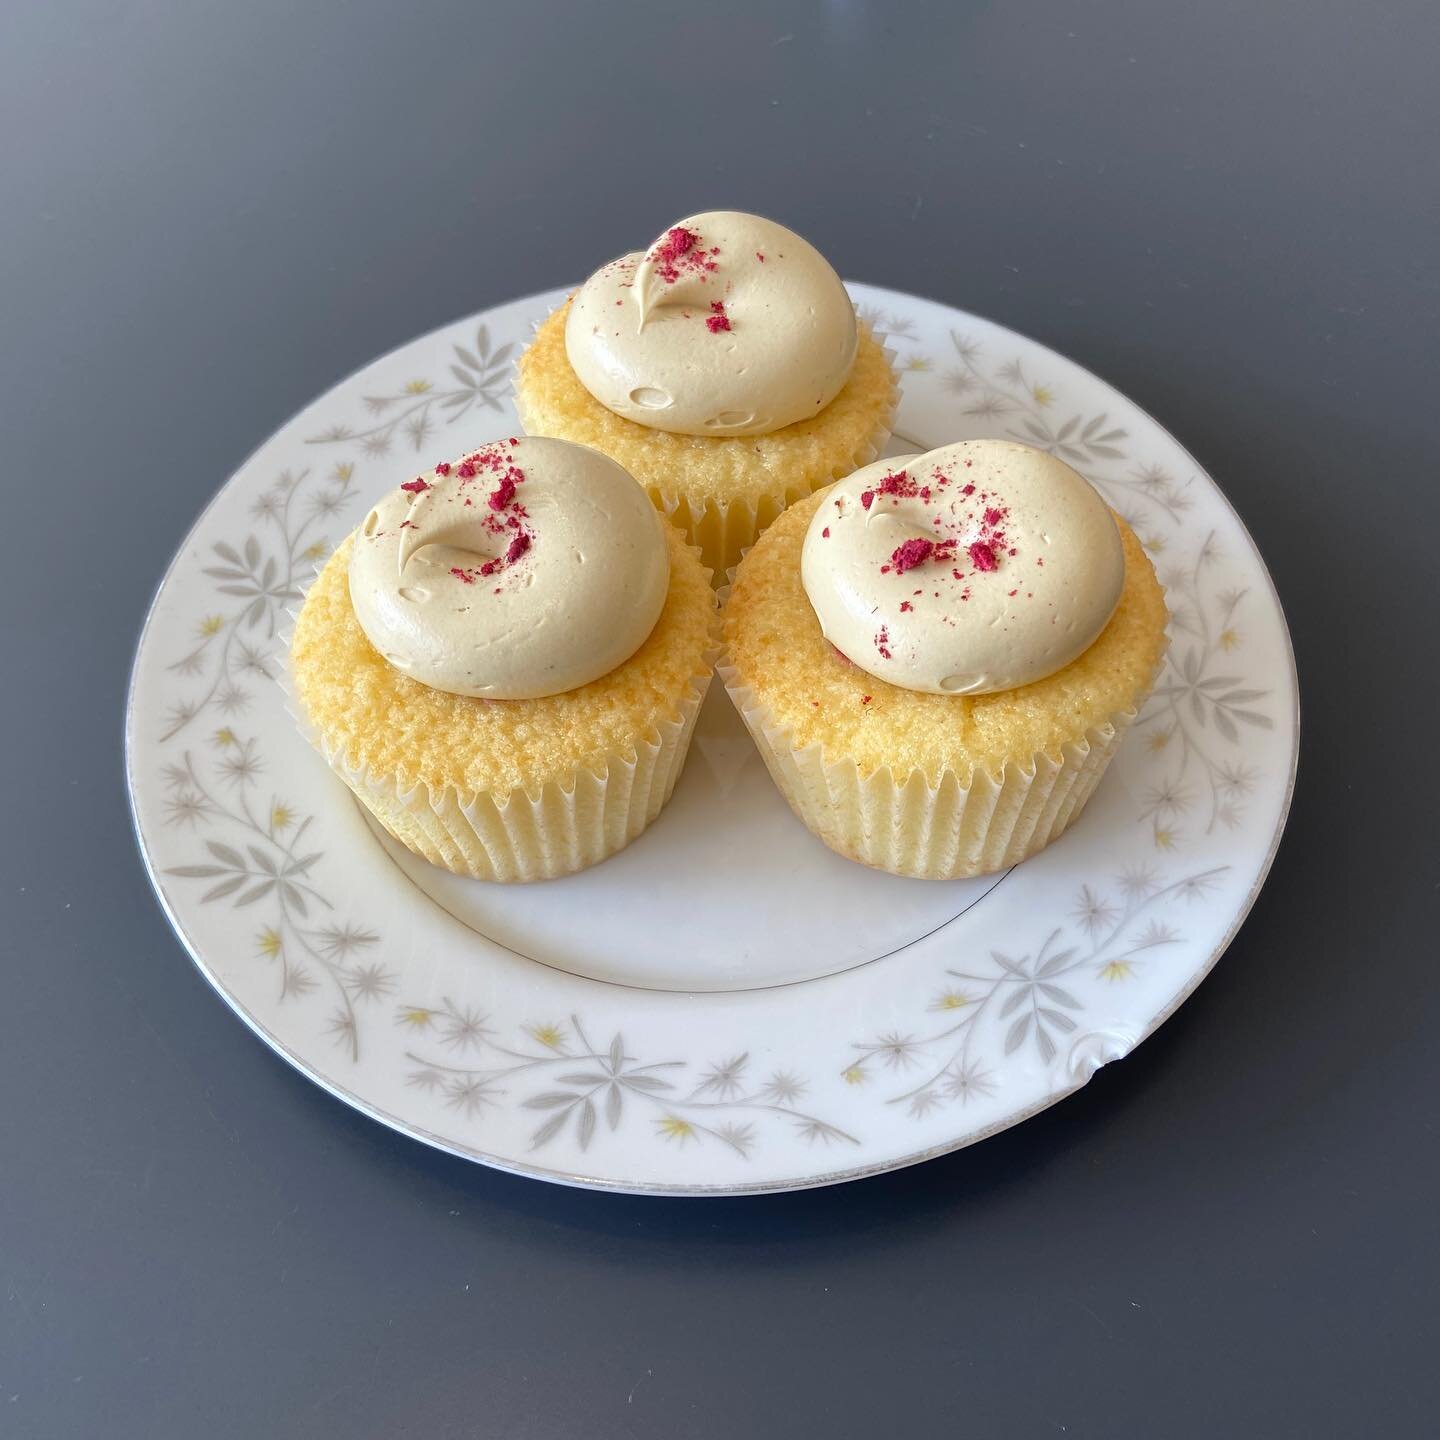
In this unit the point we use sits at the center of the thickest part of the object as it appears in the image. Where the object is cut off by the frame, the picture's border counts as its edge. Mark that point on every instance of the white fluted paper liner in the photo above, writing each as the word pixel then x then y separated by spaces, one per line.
pixel 723 531
pixel 523 836
pixel 946 831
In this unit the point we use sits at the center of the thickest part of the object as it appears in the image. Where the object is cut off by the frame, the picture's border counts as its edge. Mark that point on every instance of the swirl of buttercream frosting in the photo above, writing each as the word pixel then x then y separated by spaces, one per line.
pixel 729 324
pixel 525 568
pixel 981 566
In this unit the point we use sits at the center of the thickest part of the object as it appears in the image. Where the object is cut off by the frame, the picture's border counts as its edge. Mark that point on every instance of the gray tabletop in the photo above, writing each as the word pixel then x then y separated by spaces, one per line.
pixel 210 212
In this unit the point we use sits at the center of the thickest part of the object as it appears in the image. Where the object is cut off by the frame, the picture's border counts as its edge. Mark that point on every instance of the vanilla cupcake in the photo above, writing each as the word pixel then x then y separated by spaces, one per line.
pixel 938 656
pixel 723 367
pixel 505 661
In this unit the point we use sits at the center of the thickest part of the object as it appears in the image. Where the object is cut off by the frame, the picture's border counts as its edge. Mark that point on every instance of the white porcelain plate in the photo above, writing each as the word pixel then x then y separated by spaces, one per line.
pixel 726 1006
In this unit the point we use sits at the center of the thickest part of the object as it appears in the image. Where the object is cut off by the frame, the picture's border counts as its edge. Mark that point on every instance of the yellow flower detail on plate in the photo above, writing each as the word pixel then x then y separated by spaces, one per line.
pixel 268 942
pixel 1116 970
pixel 416 1016
pixel 282 817
pixel 854 1075
pixel 416 387
pixel 344 469
pixel 672 1127
pixel 1159 739
pixel 552 1037
pixel 212 625
pixel 1165 838
pixel 950 1000
pixel 224 737
pixel 318 551
pixel 917 363
pixel 1043 395
pixel 1229 639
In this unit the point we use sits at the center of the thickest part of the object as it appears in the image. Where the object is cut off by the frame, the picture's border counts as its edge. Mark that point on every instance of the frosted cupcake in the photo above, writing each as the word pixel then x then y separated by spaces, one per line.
pixel 505 661
pixel 938 656
pixel 723 367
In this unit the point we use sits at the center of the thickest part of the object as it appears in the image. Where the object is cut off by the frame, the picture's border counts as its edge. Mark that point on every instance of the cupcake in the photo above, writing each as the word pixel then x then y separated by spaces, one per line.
pixel 938 656
pixel 505 661
pixel 723 368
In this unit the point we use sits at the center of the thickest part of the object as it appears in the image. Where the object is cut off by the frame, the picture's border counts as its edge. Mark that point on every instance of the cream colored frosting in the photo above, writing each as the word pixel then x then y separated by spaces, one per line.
pixel 525 568
pixel 977 567
pixel 728 324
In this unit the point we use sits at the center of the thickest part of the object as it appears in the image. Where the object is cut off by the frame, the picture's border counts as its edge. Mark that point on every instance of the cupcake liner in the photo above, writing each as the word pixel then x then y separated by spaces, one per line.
pixel 523 835
pixel 723 530
pixel 945 831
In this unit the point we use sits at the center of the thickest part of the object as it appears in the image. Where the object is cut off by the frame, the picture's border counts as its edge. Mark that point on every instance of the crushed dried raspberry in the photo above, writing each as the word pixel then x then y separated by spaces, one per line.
pixel 502 495
pixel 899 483
pixel 466 470
pixel 463 575
pixel 982 557
pixel 415 487
pixel 518 546
pixel 906 605
pixel 443 468
pixel 678 251
pixel 993 516
pixel 717 321
pixel 911 553
pixel 882 642
pixel 865 699
pixel 867 499
pixel 825 533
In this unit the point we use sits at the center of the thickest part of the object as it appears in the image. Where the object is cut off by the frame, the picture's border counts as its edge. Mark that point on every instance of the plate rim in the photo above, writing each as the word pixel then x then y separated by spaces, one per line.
pixel 550 1174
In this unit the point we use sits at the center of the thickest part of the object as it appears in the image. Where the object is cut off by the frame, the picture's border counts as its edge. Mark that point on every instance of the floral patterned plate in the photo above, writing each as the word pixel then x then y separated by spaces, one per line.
pixel 725 1007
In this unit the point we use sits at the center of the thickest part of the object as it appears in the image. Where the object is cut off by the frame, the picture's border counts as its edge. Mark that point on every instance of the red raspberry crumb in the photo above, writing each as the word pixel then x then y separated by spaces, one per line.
pixel 911 553
pixel 982 557
pixel 899 483
pixel 677 244
pixel 415 487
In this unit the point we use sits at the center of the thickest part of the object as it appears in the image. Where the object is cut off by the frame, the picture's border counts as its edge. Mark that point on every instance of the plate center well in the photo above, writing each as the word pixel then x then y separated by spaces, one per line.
pixel 725 891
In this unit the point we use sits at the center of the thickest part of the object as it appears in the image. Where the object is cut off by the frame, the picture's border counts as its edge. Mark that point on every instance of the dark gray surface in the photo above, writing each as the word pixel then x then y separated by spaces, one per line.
pixel 210 212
